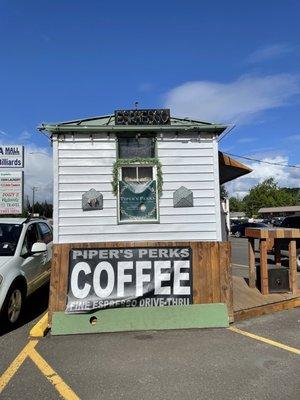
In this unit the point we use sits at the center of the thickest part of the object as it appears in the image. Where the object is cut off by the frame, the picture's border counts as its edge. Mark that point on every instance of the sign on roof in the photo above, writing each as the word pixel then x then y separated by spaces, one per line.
pixel 11 192
pixel 11 156
pixel 143 117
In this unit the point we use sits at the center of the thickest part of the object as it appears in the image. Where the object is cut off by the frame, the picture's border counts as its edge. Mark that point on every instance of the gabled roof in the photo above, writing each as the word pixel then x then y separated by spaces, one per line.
pixel 107 123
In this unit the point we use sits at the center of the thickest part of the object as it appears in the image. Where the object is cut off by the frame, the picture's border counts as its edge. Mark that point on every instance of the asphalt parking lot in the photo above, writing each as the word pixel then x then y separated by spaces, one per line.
pixel 256 359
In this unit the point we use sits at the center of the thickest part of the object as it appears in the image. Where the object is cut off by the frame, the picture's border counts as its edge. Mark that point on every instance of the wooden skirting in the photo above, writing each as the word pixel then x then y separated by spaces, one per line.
pixel 266 309
pixel 212 275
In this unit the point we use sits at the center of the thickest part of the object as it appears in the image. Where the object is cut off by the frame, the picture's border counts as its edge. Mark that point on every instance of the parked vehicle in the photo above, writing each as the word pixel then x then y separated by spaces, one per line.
pixel 291 222
pixel 25 260
pixel 239 230
pixel 277 221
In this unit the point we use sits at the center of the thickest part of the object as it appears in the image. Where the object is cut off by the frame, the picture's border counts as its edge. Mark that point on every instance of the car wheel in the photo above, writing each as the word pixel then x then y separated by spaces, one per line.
pixel 13 306
pixel 237 234
pixel 298 261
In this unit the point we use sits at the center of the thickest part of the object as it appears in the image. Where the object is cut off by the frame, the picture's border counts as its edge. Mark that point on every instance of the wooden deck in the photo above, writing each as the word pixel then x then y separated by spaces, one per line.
pixel 249 302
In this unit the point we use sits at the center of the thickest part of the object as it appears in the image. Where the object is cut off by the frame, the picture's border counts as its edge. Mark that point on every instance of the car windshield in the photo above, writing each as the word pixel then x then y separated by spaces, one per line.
pixel 9 237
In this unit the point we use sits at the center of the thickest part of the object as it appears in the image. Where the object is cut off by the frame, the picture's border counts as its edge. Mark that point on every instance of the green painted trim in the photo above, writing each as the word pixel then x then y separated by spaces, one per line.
pixel 218 129
pixel 142 318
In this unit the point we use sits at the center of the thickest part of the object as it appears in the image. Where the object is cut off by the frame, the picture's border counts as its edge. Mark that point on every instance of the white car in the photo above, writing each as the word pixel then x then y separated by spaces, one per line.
pixel 25 261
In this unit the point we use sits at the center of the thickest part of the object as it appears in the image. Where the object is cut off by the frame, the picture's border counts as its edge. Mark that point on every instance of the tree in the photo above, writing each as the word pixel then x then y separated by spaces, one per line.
pixel 267 194
pixel 223 192
pixel 236 204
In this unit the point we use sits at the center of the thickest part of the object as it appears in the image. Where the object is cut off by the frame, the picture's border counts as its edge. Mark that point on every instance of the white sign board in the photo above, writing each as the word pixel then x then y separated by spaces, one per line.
pixel 11 156
pixel 11 192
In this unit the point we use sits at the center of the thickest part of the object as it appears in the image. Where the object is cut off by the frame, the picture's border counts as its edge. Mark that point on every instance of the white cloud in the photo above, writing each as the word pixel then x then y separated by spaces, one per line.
pixel 146 87
pixel 38 172
pixel 24 136
pixel 294 138
pixel 246 140
pixel 237 101
pixel 269 53
pixel 285 176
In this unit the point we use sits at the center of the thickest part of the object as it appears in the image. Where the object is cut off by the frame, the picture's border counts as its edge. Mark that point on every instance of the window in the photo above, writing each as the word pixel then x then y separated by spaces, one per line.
pixel 31 237
pixel 137 173
pixel 142 146
pixel 45 232
pixel 137 196
pixel 9 237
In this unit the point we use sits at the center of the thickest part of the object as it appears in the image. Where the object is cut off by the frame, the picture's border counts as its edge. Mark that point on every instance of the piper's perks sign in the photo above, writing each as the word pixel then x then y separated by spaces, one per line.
pixel 143 117
pixel 129 277
pixel 11 156
pixel 11 192
pixel 138 201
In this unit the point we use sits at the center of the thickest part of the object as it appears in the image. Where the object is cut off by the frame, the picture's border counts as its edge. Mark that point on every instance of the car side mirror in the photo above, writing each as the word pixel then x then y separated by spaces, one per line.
pixel 38 247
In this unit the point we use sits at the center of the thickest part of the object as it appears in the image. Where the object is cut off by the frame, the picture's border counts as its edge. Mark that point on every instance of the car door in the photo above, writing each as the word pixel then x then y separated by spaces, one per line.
pixel 32 263
pixel 46 236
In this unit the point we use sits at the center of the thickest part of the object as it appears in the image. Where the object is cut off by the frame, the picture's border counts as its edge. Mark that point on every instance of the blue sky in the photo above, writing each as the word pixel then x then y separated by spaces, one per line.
pixel 230 62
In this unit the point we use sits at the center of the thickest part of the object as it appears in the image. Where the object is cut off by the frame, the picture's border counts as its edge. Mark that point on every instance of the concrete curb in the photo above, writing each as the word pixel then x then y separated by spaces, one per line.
pixel 141 319
pixel 40 328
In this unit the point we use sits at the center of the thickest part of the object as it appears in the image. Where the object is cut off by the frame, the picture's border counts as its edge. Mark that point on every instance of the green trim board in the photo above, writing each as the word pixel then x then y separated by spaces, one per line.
pixel 213 315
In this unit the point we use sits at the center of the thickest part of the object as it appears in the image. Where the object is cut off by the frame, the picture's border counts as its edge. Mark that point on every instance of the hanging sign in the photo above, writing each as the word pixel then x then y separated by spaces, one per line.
pixel 137 201
pixel 12 156
pixel 11 192
pixel 143 117
pixel 129 277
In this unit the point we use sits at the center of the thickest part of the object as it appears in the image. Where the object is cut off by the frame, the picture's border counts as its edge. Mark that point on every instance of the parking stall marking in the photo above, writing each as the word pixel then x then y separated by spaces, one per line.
pixel 265 340
pixel 29 351
pixel 63 389
pixel 15 365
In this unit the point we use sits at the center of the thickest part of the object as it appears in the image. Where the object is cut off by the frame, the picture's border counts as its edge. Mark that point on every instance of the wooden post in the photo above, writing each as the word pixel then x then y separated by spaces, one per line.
pixel 251 254
pixel 264 267
pixel 293 266
pixel 277 252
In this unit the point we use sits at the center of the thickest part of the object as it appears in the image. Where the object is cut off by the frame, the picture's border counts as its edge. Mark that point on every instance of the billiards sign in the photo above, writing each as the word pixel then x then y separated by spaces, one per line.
pixel 129 277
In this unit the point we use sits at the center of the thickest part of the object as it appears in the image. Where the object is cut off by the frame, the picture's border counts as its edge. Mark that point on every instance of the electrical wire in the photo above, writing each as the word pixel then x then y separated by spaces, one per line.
pixel 262 161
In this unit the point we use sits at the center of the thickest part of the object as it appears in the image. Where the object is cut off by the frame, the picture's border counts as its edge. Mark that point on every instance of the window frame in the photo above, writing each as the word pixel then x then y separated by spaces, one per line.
pixel 29 253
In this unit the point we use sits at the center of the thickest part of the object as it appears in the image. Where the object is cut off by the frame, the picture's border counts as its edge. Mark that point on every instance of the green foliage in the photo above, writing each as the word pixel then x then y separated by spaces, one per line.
pixel 121 162
pixel 267 194
pixel 43 209
pixel 223 192
pixel 236 204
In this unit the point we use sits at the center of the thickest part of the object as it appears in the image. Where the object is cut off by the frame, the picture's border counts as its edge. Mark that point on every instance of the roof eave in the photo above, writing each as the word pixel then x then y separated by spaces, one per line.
pixel 218 129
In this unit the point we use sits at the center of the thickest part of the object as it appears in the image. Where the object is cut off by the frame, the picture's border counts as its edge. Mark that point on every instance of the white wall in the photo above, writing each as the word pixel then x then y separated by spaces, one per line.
pixel 81 164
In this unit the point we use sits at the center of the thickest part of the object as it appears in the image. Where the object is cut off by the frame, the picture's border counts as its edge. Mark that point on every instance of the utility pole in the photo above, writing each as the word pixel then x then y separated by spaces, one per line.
pixel 34 189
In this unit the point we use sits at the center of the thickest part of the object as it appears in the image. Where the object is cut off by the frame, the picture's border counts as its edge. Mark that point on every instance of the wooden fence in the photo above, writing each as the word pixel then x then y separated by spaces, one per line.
pixel 212 275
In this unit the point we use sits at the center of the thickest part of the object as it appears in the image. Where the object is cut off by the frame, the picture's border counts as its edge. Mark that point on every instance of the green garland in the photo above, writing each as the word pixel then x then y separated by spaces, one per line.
pixel 121 162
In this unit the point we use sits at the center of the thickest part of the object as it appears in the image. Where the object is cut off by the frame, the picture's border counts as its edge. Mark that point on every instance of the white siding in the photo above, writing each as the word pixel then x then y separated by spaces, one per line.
pixel 82 163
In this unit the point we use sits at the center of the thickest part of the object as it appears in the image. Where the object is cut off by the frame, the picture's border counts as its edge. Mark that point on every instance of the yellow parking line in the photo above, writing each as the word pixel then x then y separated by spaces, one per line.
pixel 15 365
pixel 41 327
pixel 65 391
pixel 265 340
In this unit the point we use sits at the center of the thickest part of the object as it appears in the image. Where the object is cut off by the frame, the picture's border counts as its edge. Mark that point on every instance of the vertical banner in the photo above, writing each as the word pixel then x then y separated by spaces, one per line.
pixel 138 201
pixel 11 192
pixel 129 277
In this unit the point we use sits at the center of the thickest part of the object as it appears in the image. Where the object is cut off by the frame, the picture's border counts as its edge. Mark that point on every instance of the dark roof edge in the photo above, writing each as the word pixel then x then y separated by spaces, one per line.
pixel 60 129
